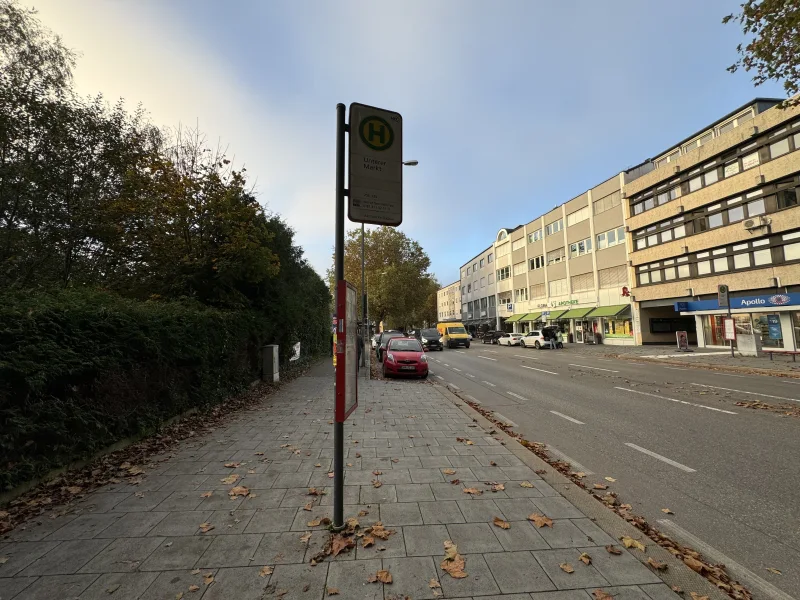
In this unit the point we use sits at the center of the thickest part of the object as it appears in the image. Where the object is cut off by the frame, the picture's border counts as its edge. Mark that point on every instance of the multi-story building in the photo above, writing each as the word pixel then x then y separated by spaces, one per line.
pixel 448 302
pixel 477 294
pixel 568 268
pixel 720 208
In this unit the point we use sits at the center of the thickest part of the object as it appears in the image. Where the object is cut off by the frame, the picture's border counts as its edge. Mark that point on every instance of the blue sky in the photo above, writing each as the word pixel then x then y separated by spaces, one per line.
pixel 511 107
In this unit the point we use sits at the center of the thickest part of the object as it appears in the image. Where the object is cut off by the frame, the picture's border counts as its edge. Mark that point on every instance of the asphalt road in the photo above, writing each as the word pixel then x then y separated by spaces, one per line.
pixel 671 437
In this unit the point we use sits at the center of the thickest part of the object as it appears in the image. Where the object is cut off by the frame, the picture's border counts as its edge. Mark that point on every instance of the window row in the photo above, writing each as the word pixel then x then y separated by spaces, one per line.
pixel 609 238
pixel 503 250
pixel 767 148
pixel 537 262
pixel 517 244
pixel 519 268
pixel 521 295
pixel 555 256
pixel 747 255
pixel 554 227
pixel 607 202
pixel 580 248
pixel 579 215
pixel 535 236
pixel 582 283
pixel 503 273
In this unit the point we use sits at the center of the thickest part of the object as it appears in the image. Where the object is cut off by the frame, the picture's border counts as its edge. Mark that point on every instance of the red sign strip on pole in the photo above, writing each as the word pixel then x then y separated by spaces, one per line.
pixel 346 351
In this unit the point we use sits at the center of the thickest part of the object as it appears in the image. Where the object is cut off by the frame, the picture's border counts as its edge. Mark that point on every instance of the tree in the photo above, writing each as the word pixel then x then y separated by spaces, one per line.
pixel 773 53
pixel 397 277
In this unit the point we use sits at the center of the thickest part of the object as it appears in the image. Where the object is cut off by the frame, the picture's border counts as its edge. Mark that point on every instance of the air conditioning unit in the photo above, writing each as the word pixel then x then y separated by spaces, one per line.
pixel 750 224
pixel 676 169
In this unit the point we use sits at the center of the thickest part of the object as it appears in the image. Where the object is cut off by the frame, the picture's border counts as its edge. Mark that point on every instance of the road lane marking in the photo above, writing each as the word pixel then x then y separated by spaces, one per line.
pixel 786 381
pixel 661 458
pixel 460 351
pixel 602 359
pixel 763 588
pixel 676 369
pixel 506 420
pixel 454 386
pixel 473 398
pixel 492 351
pixel 535 369
pixel 525 357
pixel 489 383
pixel 470 375
pixel 576 466
pixel 563 416
pixel 454 369
pixel 446 365
pixel 440 377
pixel 727 412
pixel 743 392
pixel 518 396
pixel 486 358
pixel 595 368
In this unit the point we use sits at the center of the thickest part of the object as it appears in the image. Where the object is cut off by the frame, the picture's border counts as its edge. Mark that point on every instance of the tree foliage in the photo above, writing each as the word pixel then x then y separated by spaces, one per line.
pixel 773 50
pixel 397 278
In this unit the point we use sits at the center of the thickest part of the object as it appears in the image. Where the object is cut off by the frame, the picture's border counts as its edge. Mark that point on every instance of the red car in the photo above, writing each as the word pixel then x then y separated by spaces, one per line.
pixel 405 356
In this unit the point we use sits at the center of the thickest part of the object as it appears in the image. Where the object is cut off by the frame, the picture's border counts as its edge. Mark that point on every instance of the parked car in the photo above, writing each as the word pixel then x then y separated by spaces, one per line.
pixel 430 339
pixel 405 356
pixel 498 335
pixel 510 339
pixel 383 340
pixel 533 339
pixel 490 337
pixel 375 340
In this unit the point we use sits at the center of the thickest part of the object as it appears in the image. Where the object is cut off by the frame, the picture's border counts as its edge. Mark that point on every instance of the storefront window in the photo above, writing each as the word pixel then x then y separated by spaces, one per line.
pixel 796 326
pixel 712 330
pixel 769 326
pixel 618 328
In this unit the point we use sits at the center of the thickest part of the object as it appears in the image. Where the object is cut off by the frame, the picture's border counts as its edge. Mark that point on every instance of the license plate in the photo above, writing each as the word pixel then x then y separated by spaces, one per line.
pixel 408 368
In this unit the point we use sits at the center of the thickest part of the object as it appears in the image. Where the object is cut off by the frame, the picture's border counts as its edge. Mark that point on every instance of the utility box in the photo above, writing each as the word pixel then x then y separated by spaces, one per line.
pixel 748 344
pixel 269 363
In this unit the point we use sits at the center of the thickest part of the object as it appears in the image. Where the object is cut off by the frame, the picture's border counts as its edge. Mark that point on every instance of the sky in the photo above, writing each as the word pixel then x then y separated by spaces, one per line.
pixel 510 107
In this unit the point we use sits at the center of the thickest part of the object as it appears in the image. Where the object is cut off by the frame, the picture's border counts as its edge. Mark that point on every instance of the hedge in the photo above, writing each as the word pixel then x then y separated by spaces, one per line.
pixel 80 370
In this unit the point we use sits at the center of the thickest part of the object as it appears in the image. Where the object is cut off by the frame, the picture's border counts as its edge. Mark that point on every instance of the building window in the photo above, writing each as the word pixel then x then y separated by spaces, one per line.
pixel 504 249
pixel 577 216
pixel 609 238
pixel 491 278
pixel 750 161
pixel 474 267
pixel 582 283
pixel 502 235
pixel 490 258
pixel 537 291
pixel 554 227
pixel 469 288
pixel 555 256
pixel 607 202
pixel 483 262
pixel 503 273
pixel 741 261
pixel 558 287
pixel 491 301
pixel 484 303
pixel 580 248
pixel 779 148
pixel 521 295
pixel 468 271
pixel 537 262
pixel 720 264
pixel 483 282
pixel 715 220
pixel 731 168
pixel 535 236
pixel 762 257
pixel 787 198
pixel 613 277
pixel 704 267
pixel 735 214
pixel 519 268
pixel 517 244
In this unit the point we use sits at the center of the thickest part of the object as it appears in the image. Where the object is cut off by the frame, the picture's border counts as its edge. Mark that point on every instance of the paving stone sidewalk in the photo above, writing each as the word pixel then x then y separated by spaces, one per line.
pixel 144 541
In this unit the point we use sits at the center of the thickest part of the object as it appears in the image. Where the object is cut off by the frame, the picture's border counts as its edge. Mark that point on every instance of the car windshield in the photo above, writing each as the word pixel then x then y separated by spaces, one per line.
pixel 405 346
pixel 452 330
pixel 430 333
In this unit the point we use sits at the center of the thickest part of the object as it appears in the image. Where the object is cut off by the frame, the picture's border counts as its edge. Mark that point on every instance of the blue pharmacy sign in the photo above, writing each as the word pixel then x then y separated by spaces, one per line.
pixel 774 326
pixel 741 302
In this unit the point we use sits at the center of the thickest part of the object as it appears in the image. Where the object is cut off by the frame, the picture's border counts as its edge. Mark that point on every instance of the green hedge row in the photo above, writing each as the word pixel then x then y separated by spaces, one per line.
pixel 80 370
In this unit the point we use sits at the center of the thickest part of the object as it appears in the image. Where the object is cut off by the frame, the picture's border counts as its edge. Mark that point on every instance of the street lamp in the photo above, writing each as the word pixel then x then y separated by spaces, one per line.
pixel 406 163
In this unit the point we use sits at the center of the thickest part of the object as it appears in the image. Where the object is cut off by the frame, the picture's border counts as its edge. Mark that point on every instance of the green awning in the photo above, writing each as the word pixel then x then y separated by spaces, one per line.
pixel 575 313
pixel 531 317
pixel 554 314
pixel 515 318
pixel 610 311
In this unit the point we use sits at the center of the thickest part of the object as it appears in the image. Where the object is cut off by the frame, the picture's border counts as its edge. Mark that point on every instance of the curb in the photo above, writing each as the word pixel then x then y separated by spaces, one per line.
pixel 677 573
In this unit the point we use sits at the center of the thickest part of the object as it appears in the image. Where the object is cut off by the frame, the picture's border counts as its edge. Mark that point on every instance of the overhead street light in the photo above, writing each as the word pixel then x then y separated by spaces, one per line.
pixel 410 163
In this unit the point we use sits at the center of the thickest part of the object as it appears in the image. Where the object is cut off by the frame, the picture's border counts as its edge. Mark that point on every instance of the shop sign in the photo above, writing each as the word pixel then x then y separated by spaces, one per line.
pixel 774 326
pixel 740 302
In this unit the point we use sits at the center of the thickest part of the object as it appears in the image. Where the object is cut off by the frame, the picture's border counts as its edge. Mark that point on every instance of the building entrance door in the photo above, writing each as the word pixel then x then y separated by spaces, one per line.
pixel 578 332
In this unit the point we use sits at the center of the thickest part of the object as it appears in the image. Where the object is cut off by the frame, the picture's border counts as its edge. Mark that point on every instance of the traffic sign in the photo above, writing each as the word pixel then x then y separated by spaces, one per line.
pixel 722 295
pixel 376 166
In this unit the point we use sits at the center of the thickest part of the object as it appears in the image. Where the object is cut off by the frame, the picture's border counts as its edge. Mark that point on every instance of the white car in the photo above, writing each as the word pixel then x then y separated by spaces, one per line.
pixel 512 339
pixel 533 339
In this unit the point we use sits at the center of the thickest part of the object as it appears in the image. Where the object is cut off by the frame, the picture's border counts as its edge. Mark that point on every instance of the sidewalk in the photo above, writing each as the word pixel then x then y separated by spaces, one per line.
pixel 184 533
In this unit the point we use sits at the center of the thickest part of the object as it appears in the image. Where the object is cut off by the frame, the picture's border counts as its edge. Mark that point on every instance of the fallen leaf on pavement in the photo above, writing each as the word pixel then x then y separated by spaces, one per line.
pixel 230 479
pixel 232 465
pixel 208 578
pixel 667 511
pixel 316 492
pixel 372 578
pixel 113 588
pixel 453 562
pixel 318 522
pixel 501 523
pixel 469 443
pixel 363 513
pixel 433 584
pixel 395 460
pixel 579 474
pixel 600 486
pixel 330 475
pixel 540 520
pixel 694 564
pixel 267 570
pixel 377 472
pixel 498 487
pixel 358 455
pixel 455 481
pixel 629 542
pixel 540 471
pixel 613 550
pixel 677 589
pixel 473 491
pixel 308 506
pixel 340 543
pixel 178 596
pixel 239 490
pixel 658 566
pixel 206 494
pixel 205 527
pixel 305 537
pixel 602 595
pixel 774 570
pixel 566 567
pixel 376 483
pixel 332 591
pixel 367 541
pixel 526 484
pixel 194 588
pixel 384 576
pixel 258 453
pixel 74 489
pixel 349 464
pixel 585 558
pixel 379 531
pixel 3 560
pixel 612 480
pixel 696 596
pixel 449 471
pixel 318 465
pixel 135 471
pixel 492 463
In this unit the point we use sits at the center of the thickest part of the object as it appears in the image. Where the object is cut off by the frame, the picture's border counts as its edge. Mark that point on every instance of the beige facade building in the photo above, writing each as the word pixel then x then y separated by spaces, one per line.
pixel 720 207
pixel 448 302
pixel 478 299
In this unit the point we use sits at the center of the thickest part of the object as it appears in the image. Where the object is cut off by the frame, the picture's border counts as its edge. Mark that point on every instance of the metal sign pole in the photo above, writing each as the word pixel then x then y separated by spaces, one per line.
pixel 338 427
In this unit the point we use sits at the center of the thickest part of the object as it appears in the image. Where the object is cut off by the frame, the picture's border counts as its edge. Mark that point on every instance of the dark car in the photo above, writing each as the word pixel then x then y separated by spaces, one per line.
pixel 494 337
pixel 488 336
pixel 430 339
pixel 383 340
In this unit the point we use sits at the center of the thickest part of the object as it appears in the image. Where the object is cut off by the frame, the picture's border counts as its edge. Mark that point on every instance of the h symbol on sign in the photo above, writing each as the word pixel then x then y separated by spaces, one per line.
pixel 376 130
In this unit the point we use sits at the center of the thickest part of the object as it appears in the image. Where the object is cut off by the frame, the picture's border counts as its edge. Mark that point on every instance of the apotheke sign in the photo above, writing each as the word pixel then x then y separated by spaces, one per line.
pixel 774 300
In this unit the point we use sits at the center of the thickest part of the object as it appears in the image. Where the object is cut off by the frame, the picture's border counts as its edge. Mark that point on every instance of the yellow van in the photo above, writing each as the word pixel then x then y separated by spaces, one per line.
pixel 453 334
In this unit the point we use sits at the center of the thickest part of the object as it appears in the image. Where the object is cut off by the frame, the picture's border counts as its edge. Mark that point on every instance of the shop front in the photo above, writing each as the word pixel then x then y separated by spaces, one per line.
pixel 775 318
pixel 612 325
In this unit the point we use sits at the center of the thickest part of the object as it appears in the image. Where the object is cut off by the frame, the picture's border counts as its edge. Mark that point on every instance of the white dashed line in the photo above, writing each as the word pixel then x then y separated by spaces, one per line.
pixel 563 416
pixel 676 369
pixel 486 358
pixel 460 351
pixel 508 422
pixel 473 398
pixel 454 369
pixel 575 464
pixel 743 392
pixel 595 368
pixel 535 369
pixel 454 386
pixel 661 458
pixel 493 351
pixel 470 375
pixel 523 356
pixel 727 412
pixel 489 383
pixel 602 359
pixel 517 396
pixel 440 377
pixel 446 365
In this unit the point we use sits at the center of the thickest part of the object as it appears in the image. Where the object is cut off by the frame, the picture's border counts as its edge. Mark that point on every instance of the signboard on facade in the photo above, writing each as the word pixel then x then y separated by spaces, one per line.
pixel 346 351
pixel 740 302
pixel 728 329
pixel 510 307
pixel 545 314
pixel 774 326
pixel 376 166
pixel 683 340
pixel 722 295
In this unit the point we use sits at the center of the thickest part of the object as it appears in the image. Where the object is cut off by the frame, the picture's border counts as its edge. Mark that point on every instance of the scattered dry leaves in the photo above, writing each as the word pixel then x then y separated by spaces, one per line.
pixel 239 490
pixel 339 543
pixel 433 584
pixel 266 570
pixel 305 537
pixel 473 491
pixel 629 542
pixel 600 486
pixel 501 523
pixel 492 463
pixel 611 479
pixel 540 520
pixel 376 483
pixel 332 591
pixel 232 465
pixel 658 566
pixel 526 484
pixel 384 576
pixel 206 494
pixel 696 596
pixel 308 506
pixel 230 479
pixel 602 595
pixel 377 473
pixel 613 550
pixel 453 562
pixel 194 588
pixel 208 578
pixel 774 570
pixel 319 521
pixel 379 531
pixel 585 558
pixel 667 511
pixel 367 541
pixel 206 527
pixel 498 487
pixel 316 492
pixel 566 567
pixel 449 471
